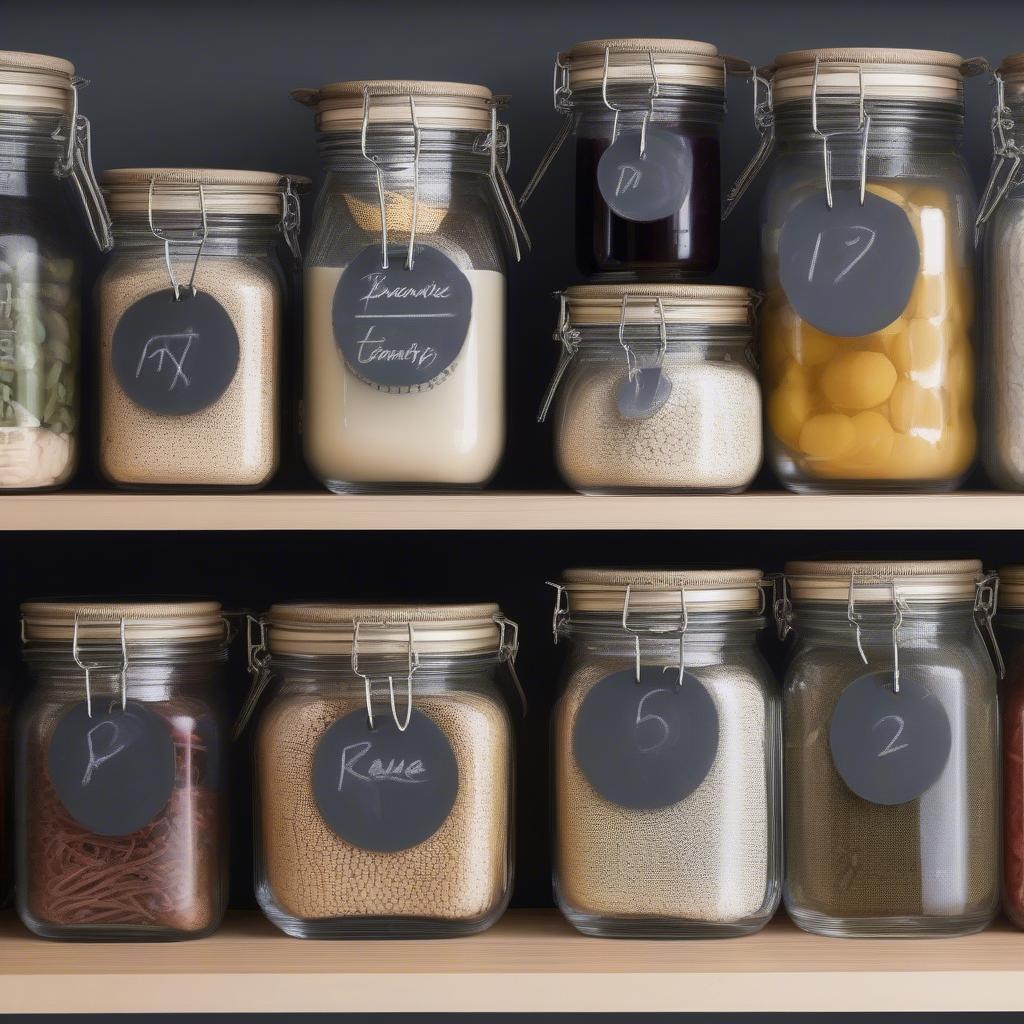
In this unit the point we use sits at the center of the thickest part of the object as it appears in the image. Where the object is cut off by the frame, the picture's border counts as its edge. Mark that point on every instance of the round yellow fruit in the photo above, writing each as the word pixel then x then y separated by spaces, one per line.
pixel 874 439
pixel 920 350
pixel 788 409
pixel 858 380
pixel 829 435
pixel 914 409
pixel 809 346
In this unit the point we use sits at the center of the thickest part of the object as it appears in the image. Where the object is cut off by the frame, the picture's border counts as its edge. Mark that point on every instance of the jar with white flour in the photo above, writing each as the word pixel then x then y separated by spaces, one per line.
pixel 405 287
pixel 656 389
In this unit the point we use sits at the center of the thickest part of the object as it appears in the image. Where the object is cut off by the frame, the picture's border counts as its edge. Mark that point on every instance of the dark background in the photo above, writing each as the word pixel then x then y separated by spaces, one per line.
pixel 206 84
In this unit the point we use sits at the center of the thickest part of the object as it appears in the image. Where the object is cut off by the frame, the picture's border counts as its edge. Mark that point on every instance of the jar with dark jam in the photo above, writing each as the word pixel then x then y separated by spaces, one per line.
pixel 645 114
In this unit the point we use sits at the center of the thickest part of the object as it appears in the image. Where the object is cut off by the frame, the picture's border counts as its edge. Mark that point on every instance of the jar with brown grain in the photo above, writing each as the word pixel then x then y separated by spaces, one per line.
pixel 384 769
pixel 192 311
pixel 891 748
pixel 666 755
pixel 120 799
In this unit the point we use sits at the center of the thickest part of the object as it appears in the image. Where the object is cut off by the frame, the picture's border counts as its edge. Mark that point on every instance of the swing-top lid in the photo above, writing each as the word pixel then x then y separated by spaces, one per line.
pixel 643 62
pixel 662 591
pixel 948 580
pixel 612 304
pixel 59 623
pixel 884 73
pixel 33 83
pixel 383 630
pixel 341 106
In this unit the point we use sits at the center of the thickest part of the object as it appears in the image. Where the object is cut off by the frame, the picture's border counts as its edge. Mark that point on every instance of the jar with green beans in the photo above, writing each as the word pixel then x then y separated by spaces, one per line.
pixel 43 141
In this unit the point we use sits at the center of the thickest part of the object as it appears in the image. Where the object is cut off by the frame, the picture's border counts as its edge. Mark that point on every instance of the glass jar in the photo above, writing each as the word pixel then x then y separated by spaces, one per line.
pixel 1011 637
pixel 405 287
pixel 645 115
pixel 657 389
pixel 666 755
pixel 191 315
pixel 43 142
pixel 119 779
pixel 384 770
pixel 891 749
pixel 1002 215
pixel 867 259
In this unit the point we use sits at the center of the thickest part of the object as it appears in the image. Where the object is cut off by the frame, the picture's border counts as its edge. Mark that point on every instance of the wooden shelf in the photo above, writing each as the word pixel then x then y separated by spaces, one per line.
pixel 496 510
pixel 530 961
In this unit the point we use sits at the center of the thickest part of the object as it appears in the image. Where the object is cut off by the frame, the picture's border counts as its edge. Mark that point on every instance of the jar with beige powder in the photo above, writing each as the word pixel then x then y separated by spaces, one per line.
pixel 666 755
pixel 405 287
pixel 191 320
pixel 891 748
pixel 384 769
pixel 656 389
pixel 44 144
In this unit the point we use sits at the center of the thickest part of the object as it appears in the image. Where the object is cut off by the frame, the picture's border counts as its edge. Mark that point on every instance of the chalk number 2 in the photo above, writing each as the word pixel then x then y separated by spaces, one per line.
pixel 893 745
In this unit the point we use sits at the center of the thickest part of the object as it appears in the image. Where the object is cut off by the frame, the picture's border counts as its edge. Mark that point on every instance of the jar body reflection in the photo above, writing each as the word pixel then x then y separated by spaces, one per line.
pixel 702 859
pixel 80 875
pixel 890 409
pixel 1012 638
pixel 325 870
pixel 921 862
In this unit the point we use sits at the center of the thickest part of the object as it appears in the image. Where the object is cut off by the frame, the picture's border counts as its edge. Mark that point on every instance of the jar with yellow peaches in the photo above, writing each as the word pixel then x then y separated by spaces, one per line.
pixel 866 235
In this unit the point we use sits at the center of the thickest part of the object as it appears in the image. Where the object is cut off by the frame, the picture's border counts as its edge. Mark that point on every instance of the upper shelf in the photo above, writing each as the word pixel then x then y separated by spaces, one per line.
pixel 499 510
pixel 530 961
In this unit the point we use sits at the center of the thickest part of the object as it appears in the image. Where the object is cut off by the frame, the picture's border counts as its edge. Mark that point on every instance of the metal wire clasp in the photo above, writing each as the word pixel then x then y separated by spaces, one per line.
pixel 88 667
pixel 632 363
pixel 291 218
pixel 862 129
pixel 636 632
pixel 986 600
pixel 570 342
pixel 75 162
pixel 413 664
pixel 508 651
pixel 855 618
pixel 196 236
pixel 782 606
pixel 764 122
pixel 653 93
pixel 1005 173
pixel 500 137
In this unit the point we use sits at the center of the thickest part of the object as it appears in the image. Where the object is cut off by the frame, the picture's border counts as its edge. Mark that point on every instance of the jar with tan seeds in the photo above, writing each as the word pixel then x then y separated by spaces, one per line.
pixel 405 287
pixel 44 141
pixel 656 389
pixel 666 755
pixel 191 320
pixel 384 769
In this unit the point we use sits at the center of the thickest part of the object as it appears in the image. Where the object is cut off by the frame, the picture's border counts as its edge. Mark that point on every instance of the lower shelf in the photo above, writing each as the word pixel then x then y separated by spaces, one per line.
pixel 530 961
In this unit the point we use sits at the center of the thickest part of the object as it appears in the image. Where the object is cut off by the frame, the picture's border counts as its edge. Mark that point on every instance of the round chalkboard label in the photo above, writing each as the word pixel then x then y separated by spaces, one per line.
pixel 649 744
pixel 649 187
pixel 382 789
pixel 644 394
pixel 889 747
pixel 175 357
pixel 848 271
pixel 402 330
pixel 113 772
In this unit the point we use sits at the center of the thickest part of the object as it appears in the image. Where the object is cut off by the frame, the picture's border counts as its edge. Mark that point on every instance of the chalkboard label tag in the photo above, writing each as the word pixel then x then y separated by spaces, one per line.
pixel 849 270
pixel 889 747
pixel 402 330
pixel 646 745
pixel 649 187
pixel 645 394
pixel 175 357
pixel 381 789
pixel 114 772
